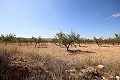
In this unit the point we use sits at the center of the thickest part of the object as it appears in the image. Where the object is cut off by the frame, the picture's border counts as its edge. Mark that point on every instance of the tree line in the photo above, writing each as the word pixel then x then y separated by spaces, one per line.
pixel 71 39
pixel 61 39
pixel 12 39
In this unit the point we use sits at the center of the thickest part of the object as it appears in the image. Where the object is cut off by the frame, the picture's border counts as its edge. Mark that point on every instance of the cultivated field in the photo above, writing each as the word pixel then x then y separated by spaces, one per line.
pixel 88 55
pixel 93 52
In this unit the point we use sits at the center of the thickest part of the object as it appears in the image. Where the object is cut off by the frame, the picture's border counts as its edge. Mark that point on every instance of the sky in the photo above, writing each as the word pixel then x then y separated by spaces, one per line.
pixel 89 18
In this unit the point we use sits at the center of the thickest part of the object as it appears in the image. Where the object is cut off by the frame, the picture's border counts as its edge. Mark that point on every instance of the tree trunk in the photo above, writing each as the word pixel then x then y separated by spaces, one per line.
pixel 75 46
pixel 67 48
pixel 26 43
pixel 35 44
pixel 118 43
pixel 113 44
pixel 79 45
pixel 19 43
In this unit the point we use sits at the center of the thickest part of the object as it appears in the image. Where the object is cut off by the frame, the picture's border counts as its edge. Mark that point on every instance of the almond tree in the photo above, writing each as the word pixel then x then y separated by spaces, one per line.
pixel 35 40
pixel 117 38
pixel 98 41
pixel 54 40
pixel 40 40
pixel 117 35
pixel 72 38
pixel 30 41
pixel 20 41
pixel 0 39
pixel 111 41
pixel 26 41
pixel 60 36
pixel 9 38
pixel 66 39
pixel 78 40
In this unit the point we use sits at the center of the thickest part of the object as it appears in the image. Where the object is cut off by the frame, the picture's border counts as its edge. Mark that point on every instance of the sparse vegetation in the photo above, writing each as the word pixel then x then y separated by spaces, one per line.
pixel 54 62
pixel 9 38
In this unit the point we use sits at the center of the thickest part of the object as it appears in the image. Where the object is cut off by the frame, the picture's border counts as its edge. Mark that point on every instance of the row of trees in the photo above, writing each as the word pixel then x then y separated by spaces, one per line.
pixel 12 39
pixel 9 38
pixel 72 38
pixel 113 41
pixel 61 38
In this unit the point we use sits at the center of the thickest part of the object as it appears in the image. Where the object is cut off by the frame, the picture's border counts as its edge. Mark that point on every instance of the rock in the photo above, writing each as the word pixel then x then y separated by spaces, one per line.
pixel 117 78
pixel 100 69
pixel 100 66
pixel 89 73
pixel 111 77
pixel 83 71
pixel 91 69
pixel 103 78
pixel 92 74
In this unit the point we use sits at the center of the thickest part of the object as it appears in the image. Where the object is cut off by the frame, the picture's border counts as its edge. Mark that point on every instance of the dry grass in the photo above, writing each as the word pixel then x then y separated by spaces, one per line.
pixel 87 55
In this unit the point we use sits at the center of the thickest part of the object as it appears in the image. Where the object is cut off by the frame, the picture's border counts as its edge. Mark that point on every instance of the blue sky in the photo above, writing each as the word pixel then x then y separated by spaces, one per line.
pixel 89 18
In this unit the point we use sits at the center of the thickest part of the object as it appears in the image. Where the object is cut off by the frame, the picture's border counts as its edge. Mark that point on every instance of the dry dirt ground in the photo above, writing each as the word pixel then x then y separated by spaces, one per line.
pixel 105 53
pixel 84 57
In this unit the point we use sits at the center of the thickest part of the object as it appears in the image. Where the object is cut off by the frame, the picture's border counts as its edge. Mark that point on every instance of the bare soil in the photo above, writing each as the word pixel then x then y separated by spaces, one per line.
pixel 92 51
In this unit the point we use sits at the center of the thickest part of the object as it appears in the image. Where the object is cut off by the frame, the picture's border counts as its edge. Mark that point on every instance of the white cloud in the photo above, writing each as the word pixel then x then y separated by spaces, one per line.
pixel 34 30
pixel 116 15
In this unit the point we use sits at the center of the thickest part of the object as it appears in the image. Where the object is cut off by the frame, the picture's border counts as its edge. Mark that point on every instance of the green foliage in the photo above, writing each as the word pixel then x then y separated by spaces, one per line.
pixel 117 38
pixel 9 38
pixel 39 39
pixel 78 40
pixel 55 40
pixel 67 39
pixel 117 35
pixel 98 41
pixel 19 40
pixel 61 38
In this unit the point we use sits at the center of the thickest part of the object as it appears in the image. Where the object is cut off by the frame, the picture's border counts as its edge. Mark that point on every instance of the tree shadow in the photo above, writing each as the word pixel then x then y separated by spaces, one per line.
pixel 41 46
pixel 118 46
pixel 83 46
pixel 74 52
pixel 105 46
